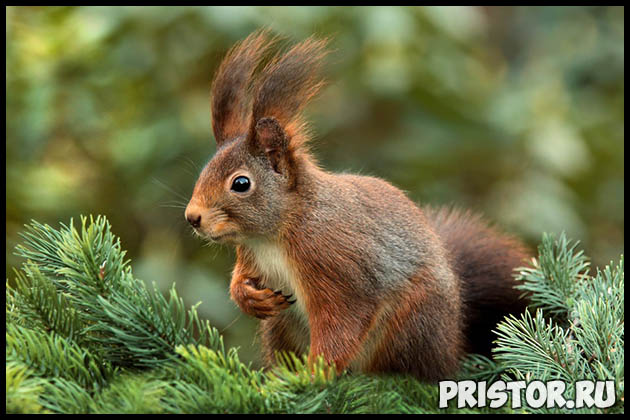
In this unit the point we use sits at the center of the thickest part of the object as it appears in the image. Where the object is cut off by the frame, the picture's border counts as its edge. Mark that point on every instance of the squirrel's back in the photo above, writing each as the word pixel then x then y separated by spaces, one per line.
pixel 481 257
pixel 367 217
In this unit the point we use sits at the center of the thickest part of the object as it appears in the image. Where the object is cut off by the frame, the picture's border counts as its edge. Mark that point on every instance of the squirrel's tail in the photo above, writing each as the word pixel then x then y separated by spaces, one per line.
pixel 484 260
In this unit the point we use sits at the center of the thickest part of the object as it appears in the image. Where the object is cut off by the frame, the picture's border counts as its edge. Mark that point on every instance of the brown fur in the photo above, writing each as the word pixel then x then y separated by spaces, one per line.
pixel 421 351
pixel 378 283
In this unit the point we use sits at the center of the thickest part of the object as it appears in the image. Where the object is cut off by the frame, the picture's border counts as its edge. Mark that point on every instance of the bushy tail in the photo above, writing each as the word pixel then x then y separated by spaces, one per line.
pixel 484 260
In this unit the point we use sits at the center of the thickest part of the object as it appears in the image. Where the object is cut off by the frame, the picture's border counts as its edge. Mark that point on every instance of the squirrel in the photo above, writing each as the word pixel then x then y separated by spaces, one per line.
pixel 341 266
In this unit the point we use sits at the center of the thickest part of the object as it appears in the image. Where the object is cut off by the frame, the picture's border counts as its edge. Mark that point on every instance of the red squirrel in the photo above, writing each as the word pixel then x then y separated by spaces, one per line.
pixel 338 265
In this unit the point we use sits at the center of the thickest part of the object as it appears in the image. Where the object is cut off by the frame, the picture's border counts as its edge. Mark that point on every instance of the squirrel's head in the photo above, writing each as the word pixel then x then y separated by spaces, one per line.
pixel 249 185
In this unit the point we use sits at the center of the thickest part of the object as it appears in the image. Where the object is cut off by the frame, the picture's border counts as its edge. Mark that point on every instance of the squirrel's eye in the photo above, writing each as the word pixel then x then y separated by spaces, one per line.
pixel 241 184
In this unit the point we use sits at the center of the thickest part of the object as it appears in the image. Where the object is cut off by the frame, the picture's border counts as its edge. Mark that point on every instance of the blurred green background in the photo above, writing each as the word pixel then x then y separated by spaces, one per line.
pixel 517 113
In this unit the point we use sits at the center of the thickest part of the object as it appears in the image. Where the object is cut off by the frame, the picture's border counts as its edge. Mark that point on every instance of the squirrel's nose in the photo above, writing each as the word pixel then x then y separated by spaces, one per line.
pixel 194 220
pixel 193 216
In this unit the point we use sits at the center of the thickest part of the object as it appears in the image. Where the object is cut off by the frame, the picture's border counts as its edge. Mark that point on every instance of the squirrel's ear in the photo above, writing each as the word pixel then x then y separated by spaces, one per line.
pixel 270 138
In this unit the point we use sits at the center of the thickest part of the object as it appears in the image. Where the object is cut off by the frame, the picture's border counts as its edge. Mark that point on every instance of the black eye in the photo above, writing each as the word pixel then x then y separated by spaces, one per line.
pixel 241 184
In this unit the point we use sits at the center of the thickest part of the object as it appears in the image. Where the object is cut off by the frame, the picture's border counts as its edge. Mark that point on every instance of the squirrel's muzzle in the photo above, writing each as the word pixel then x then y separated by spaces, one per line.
pixel 211 223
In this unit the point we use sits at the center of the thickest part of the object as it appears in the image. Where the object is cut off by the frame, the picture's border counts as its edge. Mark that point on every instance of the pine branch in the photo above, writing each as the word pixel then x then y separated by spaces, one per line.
pixel 537 347
pixel 41 305
pixel 130 325
pixel 591 345
pixel 554 276
pixel 84 336
pixel 52 355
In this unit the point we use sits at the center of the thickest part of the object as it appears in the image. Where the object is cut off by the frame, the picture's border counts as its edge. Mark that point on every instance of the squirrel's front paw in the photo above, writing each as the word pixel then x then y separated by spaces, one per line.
pixel 261 303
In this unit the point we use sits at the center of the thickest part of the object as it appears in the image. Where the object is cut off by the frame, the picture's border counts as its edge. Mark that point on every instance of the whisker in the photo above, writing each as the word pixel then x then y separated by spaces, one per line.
pixel 175 202
pixel 192 165
pixel 189 172
pixel 173 205
pixel 232 323
pixel 166 187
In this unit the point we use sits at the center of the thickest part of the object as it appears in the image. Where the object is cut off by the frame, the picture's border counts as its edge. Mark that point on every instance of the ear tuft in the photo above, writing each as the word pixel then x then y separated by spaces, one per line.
pixel 286 84
pixel 230 97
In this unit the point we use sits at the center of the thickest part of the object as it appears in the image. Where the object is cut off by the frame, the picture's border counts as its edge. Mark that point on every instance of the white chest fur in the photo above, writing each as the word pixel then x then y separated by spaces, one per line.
pixel 277 272
pixel 273 265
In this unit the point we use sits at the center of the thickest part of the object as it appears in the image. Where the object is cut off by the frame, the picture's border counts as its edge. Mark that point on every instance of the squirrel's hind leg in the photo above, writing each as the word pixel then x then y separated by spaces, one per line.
pixel 284 332
pixel 422 335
